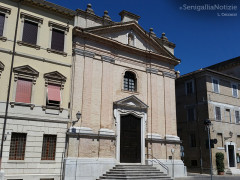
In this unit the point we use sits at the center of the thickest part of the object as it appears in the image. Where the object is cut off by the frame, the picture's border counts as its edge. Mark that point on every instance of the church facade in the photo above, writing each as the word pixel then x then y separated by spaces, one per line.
pixel 123 84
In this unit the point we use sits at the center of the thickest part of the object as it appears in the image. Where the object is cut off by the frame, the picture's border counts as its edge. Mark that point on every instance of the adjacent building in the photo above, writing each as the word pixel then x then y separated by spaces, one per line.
pixel 38 113
pixel 210 93
pixel 124 87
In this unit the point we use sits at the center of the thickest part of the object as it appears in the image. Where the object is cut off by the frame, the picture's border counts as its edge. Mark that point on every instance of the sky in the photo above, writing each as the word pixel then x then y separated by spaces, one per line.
pixel 205 32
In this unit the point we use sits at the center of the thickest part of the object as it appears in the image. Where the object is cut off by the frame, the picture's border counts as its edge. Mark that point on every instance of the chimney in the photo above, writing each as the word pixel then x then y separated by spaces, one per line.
pixel 127 16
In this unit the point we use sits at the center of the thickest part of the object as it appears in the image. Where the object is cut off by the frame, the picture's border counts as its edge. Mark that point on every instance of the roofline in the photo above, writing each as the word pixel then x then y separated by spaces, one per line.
pixel 206 70
pixel 224 63
pixel 78 30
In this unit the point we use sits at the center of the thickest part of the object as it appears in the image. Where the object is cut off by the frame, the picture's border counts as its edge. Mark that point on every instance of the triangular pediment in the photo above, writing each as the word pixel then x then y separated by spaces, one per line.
pixel 26 69
pixel 55 75
pixel 131 102
pixel 1 66
pixel 120 31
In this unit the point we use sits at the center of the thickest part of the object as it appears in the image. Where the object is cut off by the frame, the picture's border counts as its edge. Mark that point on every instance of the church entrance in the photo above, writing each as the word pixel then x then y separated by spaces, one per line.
pixel 130 139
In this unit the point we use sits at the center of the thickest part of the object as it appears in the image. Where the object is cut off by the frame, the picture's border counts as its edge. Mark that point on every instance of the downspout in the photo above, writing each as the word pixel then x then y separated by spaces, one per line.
pixel 9 84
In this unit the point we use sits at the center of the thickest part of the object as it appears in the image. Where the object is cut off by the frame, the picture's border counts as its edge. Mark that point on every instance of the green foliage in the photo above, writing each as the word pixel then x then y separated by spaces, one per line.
pixel 219 161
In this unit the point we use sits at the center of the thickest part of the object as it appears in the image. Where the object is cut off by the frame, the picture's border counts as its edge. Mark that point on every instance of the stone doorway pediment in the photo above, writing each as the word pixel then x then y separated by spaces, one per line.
pixel 131 102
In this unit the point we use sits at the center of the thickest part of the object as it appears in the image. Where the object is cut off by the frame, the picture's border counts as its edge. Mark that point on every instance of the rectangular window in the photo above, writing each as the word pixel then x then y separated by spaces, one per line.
pixel 215 85
pixel 17 146
pixel 2 21
pixel 237 117
pixel 218 113
pixel 191 114
pixel 57 40
pixel 228 115
pixel 53 95
pixel 23 91
pixel 219 140
pixel 234 90
pixel 192 140
pixel 189 87
pixel 49 147
pixel 193 162
pixel 30 31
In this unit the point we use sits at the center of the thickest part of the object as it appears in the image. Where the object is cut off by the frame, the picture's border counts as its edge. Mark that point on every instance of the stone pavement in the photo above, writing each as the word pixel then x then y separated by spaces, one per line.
pixel 197 176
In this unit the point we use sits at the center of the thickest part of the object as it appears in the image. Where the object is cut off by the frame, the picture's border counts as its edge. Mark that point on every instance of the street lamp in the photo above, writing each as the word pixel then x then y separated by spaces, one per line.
pixel 207 124
pixel 78 116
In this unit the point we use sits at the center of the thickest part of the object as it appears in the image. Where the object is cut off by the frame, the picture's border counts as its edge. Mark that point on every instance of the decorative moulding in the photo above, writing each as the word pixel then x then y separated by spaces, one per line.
pixel 172 138
pixel 154 136
pixel 104 131
pixel 81 130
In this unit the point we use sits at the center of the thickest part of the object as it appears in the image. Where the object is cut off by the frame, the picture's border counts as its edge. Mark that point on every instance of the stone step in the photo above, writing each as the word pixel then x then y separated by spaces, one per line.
pixel 142 177
pixel 117 171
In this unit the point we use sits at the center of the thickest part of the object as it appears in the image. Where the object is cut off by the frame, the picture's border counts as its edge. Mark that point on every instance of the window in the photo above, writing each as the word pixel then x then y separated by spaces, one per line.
pixel 218 114
pixel 228 115
pixel 215 85
pixel 30 31
pixel 234 90
pixel 130 81
pixel 54 83
pixel 130 39
pixel 23 91
pixel 219 140
pixel 53 95
pixel 2 21
pixel 57 40
pixel 49 147
pixel 24 82
pixel 192 140
pixel 191 114
pixel 237 117
pixel 17 146
pixel 58 34
pixel 189 87
pixel 193 162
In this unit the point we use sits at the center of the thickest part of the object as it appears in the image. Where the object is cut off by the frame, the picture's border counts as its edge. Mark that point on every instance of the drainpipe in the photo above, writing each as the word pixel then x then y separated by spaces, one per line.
pixel 9 84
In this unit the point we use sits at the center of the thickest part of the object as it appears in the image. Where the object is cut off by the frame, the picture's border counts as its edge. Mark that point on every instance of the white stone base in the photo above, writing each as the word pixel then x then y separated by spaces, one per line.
pixel 179 169
pixel 87 168
pixel 233 171
pixel 33 176
pixel 1 175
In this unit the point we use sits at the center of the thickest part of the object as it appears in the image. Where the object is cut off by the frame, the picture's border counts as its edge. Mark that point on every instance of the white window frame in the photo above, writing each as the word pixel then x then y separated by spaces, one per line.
pixel 215 113
pixel 33 19
pixel 230 114
pixel 192 86
pixel 217 85
pixel 232 84
pixel 7 12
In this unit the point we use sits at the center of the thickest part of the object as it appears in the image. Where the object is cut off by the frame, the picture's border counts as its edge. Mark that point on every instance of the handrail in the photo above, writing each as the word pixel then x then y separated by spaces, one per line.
pixel 160 163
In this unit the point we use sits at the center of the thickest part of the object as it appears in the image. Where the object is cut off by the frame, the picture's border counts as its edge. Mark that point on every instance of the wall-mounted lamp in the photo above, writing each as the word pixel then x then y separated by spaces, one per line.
pixel 230 136
pixel 78 116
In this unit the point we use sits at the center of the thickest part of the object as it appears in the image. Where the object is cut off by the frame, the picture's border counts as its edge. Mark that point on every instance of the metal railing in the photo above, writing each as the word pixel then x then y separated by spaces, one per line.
pixel 159 162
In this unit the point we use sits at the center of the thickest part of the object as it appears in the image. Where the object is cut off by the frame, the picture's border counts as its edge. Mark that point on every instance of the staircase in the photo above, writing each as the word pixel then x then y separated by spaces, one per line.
pixel 143 172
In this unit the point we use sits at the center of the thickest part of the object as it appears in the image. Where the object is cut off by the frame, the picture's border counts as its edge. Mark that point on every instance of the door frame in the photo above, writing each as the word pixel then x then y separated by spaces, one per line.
pixel 234 151
pixel 143 117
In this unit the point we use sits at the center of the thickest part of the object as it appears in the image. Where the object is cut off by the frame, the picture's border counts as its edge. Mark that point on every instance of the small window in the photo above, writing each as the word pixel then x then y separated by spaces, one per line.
pixel 215 85
pixel 189 87
pixel 218 114
pixel 57 42
pixel 49 147
pixel 228 115
pixel 130 81
pixel 17 146
pixel 191 114
pixel 237 117
pixel 30 31
pixel 23 91
pixel 234 90
pixel 2 21
pixel 130 39
pixel 193 162
pixel 192 140
pixel 53 95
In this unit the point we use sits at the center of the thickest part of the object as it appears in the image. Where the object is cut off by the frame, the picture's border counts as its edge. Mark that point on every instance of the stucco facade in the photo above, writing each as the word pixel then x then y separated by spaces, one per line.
pixel 215 98
pixel 40 65
pixel 104 52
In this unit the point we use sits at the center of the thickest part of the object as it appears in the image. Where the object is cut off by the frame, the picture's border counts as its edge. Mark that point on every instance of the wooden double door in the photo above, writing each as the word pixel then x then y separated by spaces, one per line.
pixel 130 139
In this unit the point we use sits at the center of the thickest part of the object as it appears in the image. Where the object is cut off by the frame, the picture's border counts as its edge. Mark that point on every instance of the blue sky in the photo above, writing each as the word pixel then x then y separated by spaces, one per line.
pixel 202 38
